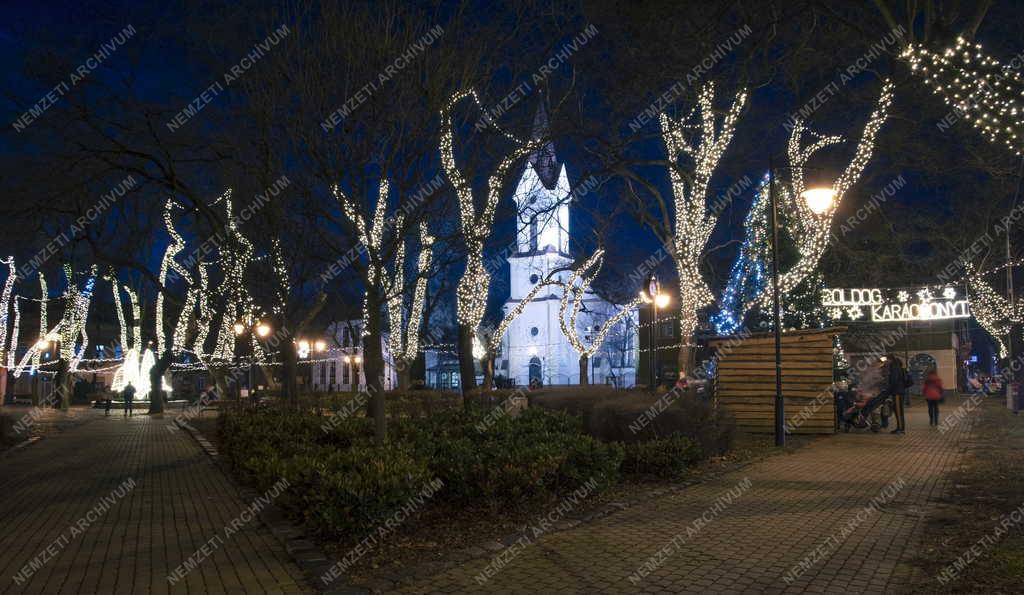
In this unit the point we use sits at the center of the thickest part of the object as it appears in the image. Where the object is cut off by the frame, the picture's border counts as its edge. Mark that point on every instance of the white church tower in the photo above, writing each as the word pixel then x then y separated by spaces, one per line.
pixel 534 347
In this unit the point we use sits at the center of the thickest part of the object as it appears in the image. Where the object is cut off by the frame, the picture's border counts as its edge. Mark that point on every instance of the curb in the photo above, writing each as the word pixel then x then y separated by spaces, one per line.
pixel 308 556
pixel 26 442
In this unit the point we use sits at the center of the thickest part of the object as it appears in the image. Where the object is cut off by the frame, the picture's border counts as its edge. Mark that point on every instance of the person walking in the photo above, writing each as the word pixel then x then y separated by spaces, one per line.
pixel 129 395
pixel 932 392
pixel 896 386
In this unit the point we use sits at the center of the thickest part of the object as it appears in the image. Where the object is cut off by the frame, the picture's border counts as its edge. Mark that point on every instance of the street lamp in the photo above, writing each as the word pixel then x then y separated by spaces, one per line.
pixel 262 329
pixel 319 345
pixel 652 295
pixel 819 201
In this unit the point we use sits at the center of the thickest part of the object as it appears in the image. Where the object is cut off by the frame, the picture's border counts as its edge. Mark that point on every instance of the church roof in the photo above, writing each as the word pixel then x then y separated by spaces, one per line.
pixel 544 160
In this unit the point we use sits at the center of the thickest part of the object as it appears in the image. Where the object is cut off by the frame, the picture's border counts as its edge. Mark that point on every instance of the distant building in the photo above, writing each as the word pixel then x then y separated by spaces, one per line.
pixel 340 368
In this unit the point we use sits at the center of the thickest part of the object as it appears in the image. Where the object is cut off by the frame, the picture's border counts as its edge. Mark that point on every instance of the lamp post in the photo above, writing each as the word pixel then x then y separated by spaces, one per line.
pixel 819 201
pixel 262 330
pixel 652 295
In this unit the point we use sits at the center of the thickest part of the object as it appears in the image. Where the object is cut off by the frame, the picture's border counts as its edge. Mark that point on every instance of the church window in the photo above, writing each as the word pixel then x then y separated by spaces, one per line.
pixel 534 331
pixel 597 362
pixel 534 278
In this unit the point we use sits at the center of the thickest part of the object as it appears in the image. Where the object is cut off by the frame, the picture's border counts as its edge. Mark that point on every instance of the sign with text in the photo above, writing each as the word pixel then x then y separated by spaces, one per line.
pixel 896 305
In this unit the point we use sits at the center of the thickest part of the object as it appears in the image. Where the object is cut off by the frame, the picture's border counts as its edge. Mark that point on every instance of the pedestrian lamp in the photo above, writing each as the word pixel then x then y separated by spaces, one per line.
pixel 319 345
pixel 652 295
pixel 261 329
pixel 820 201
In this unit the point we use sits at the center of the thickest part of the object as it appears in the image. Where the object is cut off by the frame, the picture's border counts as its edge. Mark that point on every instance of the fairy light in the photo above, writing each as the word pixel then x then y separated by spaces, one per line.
pixel 576 287
pixel 992 311
pixel 810 230
pixel 14 335
pixel 133 300
pixel 5 299
pixel 205 318
pixel 44 295
pixel 370 236
pixel 119 309
pixel 405 346
pixel 476 226
pixel 694 220
pixel 986 92
pixel 176 245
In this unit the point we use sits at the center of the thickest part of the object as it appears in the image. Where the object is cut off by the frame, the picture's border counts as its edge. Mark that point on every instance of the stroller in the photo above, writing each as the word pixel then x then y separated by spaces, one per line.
pixel 854 412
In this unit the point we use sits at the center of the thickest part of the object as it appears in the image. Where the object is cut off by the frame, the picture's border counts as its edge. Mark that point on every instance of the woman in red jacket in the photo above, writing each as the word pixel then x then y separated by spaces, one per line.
pixel 932 392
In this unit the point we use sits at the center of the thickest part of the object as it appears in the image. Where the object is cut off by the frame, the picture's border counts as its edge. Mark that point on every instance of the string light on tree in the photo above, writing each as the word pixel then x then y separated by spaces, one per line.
pixel 576 287
pixel 473 287
pixel 810 218
pixel 5 300
pixel 992 311
pixel 694 220
pixel 983 90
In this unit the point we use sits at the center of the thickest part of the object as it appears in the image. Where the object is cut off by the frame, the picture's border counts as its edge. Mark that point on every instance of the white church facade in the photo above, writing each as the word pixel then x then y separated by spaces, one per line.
pixel 534 349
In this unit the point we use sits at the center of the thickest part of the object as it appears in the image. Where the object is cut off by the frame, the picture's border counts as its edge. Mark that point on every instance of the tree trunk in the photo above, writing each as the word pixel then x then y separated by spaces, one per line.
pixel 685 359
pixel 404 376
pixel 584 369
pixel 62 384
pixel 220 384
pixel 467 371
pixel 290 372
pixel 487 363
pixel 156 377
pixel 373 367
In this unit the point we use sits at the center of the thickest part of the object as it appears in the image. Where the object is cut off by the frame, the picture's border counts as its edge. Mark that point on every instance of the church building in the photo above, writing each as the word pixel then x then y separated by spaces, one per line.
pixel 534 349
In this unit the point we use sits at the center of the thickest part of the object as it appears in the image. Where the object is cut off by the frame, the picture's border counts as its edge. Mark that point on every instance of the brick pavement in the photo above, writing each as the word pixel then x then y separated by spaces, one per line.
pixel 796 508
pixel 180 501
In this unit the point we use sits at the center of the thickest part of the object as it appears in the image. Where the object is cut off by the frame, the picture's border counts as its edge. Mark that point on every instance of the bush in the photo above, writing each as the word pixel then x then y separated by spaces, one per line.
pixel 341 484
pixel 665 458
pixel 632 416
pixel 503 460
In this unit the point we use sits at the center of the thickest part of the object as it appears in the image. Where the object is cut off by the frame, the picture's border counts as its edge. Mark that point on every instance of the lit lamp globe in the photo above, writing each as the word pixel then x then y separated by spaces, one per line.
pixel 818 200
pixel 262 329
pixel 661 300
pixel 320 345
pixel 239 328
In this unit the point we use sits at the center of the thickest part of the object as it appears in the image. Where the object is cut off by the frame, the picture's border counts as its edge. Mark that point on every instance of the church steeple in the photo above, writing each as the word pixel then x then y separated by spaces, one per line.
pixel 542 196
pixel 544 160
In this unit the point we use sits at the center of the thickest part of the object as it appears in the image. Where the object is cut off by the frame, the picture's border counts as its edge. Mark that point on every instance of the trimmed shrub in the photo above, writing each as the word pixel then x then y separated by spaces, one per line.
pixel 664 458
pixel 632 416
pixel 341 484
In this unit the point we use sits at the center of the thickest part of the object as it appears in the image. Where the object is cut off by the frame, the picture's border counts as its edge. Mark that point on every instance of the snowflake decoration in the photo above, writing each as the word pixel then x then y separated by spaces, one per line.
pixel 835 312
pixel 925 295
pixel 949 293
pixel 903 296
pixel 855 312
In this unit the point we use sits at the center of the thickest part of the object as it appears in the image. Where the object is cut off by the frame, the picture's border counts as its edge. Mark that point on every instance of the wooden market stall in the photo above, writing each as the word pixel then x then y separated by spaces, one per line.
pixel 745 383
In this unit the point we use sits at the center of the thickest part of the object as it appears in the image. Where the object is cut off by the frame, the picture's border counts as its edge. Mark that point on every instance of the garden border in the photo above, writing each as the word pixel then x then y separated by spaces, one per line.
pixel 306 554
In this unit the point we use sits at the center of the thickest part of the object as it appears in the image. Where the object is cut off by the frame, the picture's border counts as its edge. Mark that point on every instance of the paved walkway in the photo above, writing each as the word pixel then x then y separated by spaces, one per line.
pixel 115 505
pixel 804 516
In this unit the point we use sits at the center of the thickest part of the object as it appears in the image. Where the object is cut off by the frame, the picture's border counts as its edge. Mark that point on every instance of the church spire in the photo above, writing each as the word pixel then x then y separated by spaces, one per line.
pixel 544 160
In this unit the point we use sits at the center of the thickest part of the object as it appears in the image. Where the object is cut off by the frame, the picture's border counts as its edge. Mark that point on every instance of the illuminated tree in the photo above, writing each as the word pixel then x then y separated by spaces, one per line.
pixel 808 229
pixel 576 288
pixel 693 219
pixel 476 227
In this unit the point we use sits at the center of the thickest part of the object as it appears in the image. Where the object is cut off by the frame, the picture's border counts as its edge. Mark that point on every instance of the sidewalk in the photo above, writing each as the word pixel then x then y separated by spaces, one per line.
pixel 802 526
pixel 131 538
